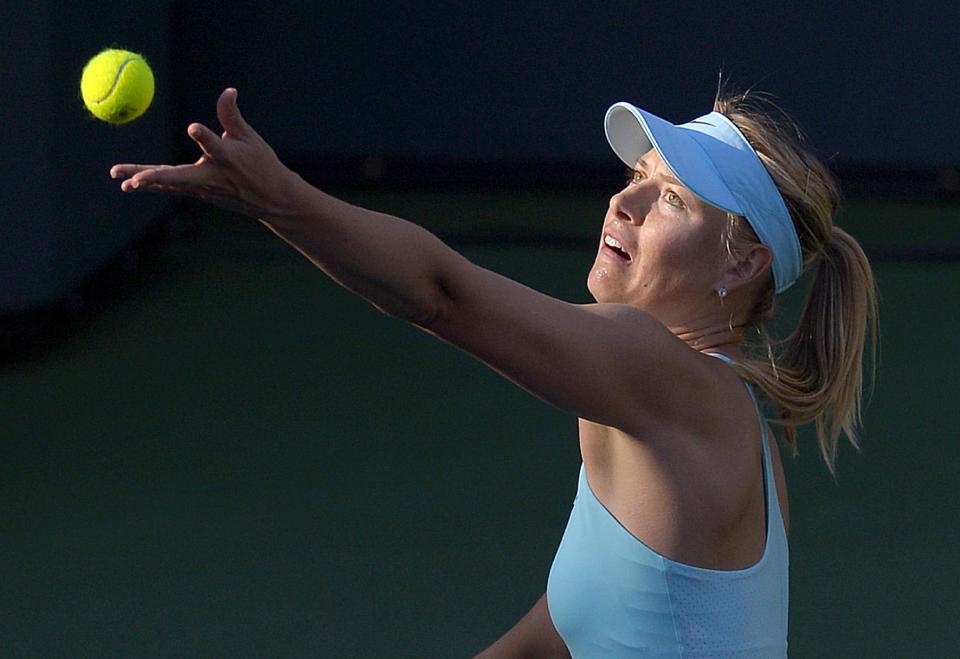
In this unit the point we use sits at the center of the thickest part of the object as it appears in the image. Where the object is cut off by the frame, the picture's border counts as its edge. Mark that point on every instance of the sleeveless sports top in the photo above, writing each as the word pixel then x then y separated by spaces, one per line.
pixel 610 595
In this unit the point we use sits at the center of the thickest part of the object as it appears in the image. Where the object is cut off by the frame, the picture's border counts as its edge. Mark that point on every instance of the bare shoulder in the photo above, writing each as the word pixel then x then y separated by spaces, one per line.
pixel 693 488
pixel 703 417
pixel 721 430
pixel 670 388
pixel 745 419
pixel 611 363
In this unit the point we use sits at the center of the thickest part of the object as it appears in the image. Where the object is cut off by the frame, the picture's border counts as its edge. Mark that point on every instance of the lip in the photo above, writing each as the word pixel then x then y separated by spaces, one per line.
pixel 611 254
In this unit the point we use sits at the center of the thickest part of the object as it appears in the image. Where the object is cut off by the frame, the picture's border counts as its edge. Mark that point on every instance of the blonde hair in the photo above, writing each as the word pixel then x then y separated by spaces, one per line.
pixel 816 373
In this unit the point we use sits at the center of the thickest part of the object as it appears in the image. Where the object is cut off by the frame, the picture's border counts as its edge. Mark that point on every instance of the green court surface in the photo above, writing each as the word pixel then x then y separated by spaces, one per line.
pixel 237 458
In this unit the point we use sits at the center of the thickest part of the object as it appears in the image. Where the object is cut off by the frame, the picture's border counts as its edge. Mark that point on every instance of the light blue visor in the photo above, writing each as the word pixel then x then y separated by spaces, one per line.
pixel 713 159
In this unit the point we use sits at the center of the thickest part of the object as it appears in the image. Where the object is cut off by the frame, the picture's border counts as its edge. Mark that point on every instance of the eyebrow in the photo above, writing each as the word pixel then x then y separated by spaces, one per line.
pixel 671 179
pixel 693 198
pixel 642 166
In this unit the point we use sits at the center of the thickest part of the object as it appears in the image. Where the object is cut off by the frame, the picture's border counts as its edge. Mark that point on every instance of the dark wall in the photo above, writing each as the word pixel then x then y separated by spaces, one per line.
pixel 62 215
pixel 872 84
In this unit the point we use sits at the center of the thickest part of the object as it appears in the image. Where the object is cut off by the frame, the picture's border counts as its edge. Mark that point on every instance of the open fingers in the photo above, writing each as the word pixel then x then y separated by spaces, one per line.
pixel 228 113
pixel 207 140
pixel 126 170
pixel 225 175
pixel 187 179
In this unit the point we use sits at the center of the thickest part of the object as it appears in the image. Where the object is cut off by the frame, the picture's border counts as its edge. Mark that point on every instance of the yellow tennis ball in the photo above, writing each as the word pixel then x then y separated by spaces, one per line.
pixel 117 86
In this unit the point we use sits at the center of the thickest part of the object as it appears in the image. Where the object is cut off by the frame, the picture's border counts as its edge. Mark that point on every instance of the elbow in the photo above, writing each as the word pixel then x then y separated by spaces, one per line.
pixel 438 295
pixel 432 315
pixel 426 310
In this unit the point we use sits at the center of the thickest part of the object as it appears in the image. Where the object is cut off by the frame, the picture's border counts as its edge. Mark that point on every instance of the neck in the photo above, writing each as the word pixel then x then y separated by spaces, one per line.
pixel 710 338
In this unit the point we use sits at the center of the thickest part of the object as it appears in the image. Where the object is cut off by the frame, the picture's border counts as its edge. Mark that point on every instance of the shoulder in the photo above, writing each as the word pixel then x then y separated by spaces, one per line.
pixel 725 406
pixel 707 422
pixel 691 489
pixel 698 420
pixel 665 386
pixel 703 397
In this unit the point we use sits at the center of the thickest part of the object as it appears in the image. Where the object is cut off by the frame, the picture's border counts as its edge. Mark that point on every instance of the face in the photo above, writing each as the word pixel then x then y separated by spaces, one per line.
pixel 661 247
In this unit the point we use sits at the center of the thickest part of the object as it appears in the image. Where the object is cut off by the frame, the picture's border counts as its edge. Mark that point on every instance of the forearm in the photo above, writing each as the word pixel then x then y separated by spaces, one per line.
pixel 396 265
pixel 533 637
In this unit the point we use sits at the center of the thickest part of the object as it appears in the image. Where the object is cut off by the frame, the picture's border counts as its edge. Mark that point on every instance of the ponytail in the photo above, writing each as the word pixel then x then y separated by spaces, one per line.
pixel 816 373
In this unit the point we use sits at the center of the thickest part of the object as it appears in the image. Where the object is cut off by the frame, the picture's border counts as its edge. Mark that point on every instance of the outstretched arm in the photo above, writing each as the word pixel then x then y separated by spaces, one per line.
pixel 392 263
pixel 599 362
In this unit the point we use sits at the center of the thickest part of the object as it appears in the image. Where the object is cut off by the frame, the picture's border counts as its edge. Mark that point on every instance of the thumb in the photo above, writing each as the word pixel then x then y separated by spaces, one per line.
pixel 229 114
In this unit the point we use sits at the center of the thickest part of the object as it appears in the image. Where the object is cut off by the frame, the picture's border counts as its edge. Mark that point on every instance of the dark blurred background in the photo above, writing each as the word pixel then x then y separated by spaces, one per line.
pixel 209 449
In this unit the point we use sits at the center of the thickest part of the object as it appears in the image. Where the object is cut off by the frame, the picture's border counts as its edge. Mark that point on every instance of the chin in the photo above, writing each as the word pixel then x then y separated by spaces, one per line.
pixel 599 285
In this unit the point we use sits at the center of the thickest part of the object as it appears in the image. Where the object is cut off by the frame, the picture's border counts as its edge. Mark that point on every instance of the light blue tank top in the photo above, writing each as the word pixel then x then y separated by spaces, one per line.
pixel 610 595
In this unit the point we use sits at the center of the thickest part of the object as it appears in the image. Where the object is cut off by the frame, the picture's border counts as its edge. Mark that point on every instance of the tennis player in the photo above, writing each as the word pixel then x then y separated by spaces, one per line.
pixel 677 541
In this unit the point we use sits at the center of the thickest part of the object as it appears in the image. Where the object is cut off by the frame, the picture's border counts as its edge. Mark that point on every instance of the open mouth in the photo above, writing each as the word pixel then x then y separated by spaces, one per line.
pixel 613 247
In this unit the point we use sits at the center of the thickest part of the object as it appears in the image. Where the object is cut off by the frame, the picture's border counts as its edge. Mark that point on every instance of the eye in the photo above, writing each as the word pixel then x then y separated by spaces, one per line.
pixel 633 176
pixel 674 199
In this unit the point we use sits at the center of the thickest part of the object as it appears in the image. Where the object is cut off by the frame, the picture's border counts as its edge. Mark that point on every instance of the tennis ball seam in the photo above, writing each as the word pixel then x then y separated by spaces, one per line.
pixel 116 79
pixel 117 85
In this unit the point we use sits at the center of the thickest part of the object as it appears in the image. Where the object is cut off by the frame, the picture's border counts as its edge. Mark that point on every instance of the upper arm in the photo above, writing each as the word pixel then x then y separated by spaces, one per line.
pixel 608 363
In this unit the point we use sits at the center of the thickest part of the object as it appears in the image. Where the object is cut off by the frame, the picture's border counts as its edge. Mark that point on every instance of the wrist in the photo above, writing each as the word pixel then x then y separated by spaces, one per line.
pixel 293 197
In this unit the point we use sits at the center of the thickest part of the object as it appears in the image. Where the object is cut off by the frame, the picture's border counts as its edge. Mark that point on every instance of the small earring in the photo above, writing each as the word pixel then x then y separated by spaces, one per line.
pixel 722 292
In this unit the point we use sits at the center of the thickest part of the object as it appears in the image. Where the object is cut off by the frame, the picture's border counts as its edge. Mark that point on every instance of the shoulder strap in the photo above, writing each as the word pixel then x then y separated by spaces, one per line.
pixel 721 357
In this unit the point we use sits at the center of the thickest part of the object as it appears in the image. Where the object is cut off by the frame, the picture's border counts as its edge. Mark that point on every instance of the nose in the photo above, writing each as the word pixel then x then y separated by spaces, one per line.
pixel 633 202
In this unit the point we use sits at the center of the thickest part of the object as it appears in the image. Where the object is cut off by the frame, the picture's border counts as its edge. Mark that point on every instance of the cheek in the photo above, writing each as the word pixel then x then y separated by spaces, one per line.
pixel 685 260
pixel 669 247
pixel 705 267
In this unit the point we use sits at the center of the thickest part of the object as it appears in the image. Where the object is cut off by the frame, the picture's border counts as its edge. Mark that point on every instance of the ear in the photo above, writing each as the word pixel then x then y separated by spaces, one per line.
pixel 751 266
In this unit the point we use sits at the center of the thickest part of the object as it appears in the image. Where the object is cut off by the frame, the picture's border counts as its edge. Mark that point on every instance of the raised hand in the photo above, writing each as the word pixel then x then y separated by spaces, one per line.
pixel 238 169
